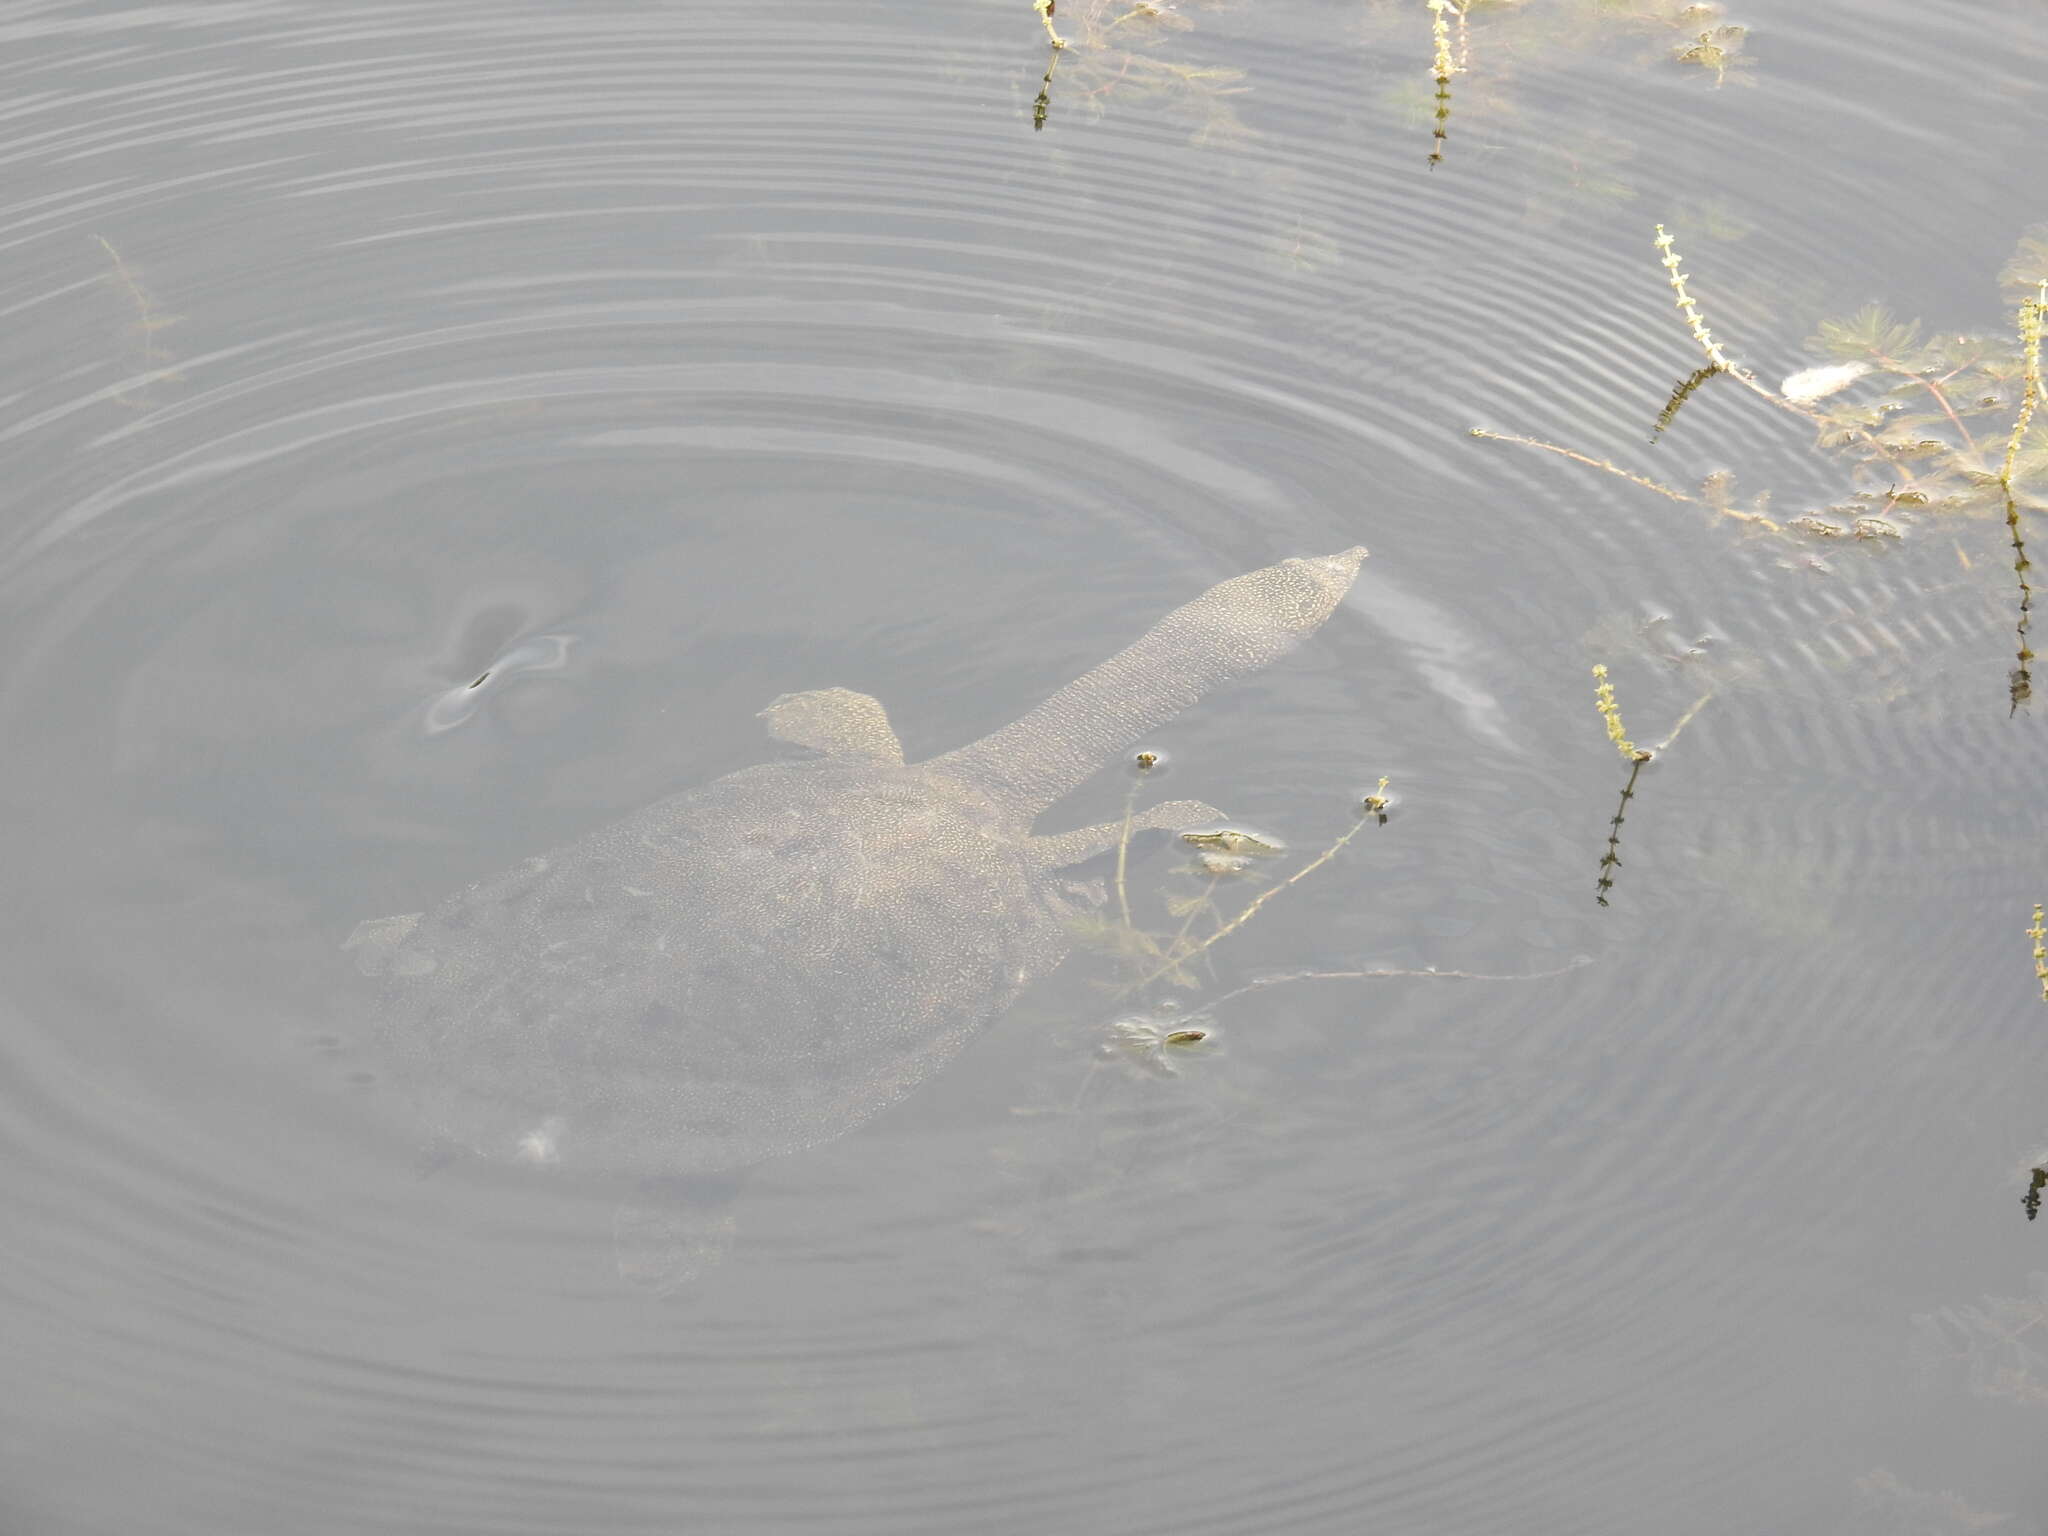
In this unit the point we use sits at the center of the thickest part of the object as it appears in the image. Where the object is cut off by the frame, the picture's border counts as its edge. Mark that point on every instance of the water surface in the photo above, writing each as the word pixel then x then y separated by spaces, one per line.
pixel 434 429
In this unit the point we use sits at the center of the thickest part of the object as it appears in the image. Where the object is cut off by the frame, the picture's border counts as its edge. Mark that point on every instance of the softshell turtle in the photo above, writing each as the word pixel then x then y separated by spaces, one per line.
pixel 759 965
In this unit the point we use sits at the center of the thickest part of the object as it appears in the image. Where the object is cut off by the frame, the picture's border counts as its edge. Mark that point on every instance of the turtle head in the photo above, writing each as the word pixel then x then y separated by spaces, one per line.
pixel 1283 602
pixel 1234 628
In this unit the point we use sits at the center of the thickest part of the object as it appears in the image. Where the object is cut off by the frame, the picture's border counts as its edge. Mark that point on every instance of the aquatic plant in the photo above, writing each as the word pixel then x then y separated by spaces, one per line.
pixel 1218 854
pixel 1718 48
pixel 1679 395
pixel 1154 1043
pixel 1617 732
pixel 1991 1342
pixel 1610 859
pixel 2039 934
pixel 1376 803
pixel 1908 415
pixel 1496 44
pixel 1685 32
pixel 2022 685
pixel 1603 694
pixel 1887 1506
pixel 1159 1038
pixel 1442 67
pixel 156 363
pixel 1112 50
pixel 1687 307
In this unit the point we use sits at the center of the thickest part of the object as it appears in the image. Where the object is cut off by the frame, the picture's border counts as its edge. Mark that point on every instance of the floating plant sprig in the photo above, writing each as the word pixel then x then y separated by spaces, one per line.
pixel 1442 67
pixel 1220 854
pixel 1610 712
pixel 1636 757
pixel 1185 949
pixel 1156 1042
pixel 1688 308
pixel 2031 310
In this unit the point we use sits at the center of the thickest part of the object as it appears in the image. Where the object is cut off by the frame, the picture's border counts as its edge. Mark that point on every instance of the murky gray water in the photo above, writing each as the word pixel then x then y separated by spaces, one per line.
pixel 433 430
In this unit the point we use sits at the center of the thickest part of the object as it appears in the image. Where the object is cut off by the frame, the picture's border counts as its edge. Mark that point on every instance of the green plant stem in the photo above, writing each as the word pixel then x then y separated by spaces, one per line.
pixel 1250 909
pixel 1123 855
pixel 1382 973
pixel 1579 458
pixel 1933 387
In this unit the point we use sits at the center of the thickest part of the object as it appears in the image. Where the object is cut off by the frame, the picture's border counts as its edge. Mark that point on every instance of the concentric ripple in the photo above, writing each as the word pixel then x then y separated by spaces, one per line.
pixel 436 428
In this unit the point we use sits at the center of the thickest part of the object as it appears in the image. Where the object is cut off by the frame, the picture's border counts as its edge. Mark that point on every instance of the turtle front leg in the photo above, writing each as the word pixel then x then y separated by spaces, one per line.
pixel 1064 848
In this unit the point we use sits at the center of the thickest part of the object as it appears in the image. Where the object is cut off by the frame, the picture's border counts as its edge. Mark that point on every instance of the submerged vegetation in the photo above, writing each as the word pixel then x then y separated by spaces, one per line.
pixel 2031 310
pixel 155 363
pixel 1912 421
pixel 1617 733
pixel 1922 427
pixel 1636 757
pixel 2001 1344
pixel 1104 50
pixel 2039 934
pixel 1167 954
pixel 1610 712
pixel 1496 39
pixel 1442 67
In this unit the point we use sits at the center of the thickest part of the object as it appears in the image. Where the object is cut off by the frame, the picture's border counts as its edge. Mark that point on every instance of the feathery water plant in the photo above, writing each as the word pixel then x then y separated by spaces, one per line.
pixel 2022 682
pixel 1990 1341
pixel 2039 934
pixel 1681 393
pixel 1220 854
pixel 1688 308
pixel 1184 950
pixel 1111 50
pixel 2031 311
pixel 1442 67
pixel 1525 38
pixel 1915 430
pixel 1611 712
pixel 1610 860
pixel 1617 733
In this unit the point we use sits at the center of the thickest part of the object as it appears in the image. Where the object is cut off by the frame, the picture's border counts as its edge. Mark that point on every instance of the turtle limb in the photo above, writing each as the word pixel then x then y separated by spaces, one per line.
pixel 377 942
pixel 1064 848
pixel 836 721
